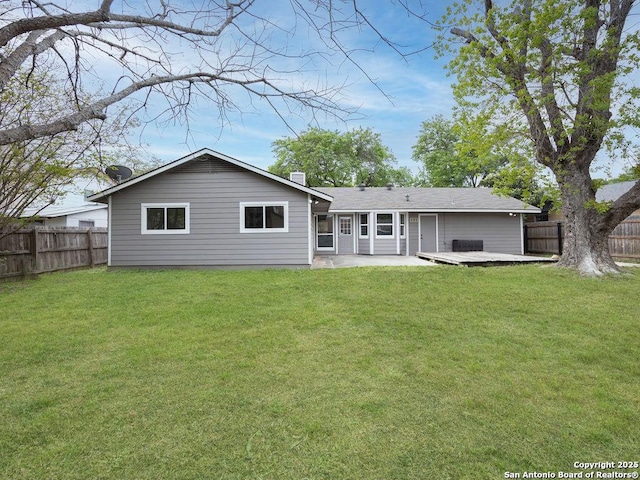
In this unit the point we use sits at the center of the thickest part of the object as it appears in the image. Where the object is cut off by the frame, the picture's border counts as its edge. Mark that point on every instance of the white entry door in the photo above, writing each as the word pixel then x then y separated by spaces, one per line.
pixel 345 235
pixel 428 233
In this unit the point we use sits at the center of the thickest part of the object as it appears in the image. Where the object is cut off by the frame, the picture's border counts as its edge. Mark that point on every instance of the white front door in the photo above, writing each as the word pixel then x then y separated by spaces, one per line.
pixel 345 235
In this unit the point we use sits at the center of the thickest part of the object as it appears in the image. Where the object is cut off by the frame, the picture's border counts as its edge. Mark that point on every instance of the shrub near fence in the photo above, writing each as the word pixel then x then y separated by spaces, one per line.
pixel 547 237
pixel 45 249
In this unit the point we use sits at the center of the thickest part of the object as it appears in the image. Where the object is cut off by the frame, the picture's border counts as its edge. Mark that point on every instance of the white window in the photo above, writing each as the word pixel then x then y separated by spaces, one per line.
pixel 402 225
pixel 364 225
pixel 384 224
pixel 264 217
pixel 165 218
pixel 86 223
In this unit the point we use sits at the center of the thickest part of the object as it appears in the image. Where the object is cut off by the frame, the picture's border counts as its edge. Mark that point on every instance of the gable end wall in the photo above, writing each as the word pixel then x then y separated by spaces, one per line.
pixel 214 190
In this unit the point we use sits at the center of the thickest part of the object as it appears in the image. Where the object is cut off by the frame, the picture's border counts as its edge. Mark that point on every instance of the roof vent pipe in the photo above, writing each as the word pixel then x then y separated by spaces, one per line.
pixel 361 187
pixel 389 186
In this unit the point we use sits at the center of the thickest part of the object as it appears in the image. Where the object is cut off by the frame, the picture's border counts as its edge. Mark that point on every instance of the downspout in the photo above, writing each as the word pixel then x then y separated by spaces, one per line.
pixel 310 228
pixel 522 246
pixel 354 220
pixel 372 223
pixel 336 225
pixel 406 233
pixel 397 222
pixel 109 229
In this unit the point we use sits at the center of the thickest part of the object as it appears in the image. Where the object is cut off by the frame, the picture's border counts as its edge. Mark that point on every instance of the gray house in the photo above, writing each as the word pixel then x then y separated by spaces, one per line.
pixel 404 221
pixel 211 210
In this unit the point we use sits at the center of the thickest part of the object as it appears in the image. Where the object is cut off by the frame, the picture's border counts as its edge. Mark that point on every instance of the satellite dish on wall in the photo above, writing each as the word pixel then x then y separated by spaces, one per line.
pixel 118 172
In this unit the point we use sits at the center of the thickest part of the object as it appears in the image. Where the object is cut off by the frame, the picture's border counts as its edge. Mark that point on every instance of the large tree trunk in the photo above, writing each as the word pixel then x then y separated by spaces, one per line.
pixel 586 238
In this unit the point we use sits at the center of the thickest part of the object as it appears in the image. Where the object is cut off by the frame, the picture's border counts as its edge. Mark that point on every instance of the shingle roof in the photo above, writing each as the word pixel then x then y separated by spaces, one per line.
pixel 352 199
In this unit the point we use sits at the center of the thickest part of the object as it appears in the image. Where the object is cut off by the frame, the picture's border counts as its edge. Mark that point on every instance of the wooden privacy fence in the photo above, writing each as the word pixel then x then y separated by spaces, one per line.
pixel 45 249
pixel 547 237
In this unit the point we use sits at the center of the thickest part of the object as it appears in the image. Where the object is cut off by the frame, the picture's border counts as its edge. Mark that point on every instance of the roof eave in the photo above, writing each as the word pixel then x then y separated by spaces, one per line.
pixel 436 210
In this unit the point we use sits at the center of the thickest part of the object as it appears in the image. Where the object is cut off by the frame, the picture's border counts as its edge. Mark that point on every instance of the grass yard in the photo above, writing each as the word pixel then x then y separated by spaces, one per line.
pixel 371 373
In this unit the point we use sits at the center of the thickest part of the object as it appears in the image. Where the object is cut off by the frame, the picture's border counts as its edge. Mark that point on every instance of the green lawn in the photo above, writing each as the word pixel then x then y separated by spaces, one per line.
pixel 373 373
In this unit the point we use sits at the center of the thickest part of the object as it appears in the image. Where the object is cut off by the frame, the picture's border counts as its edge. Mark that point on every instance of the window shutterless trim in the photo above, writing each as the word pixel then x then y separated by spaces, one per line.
pixel 360 225
pixel 144 207
pixel 264 229
pixel 392 223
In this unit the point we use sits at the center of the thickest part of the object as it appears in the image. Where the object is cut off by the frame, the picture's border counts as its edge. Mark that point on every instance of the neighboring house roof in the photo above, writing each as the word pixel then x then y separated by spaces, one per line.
pixel 53 211
pixel 70 201
pixel 352 199
pixel 102 196
pixel 613 191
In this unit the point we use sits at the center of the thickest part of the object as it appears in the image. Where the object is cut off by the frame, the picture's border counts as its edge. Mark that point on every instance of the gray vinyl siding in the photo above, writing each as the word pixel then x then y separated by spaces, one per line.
pixel 214 190
pixel 363 246
pixel 498 231
pixel 385 246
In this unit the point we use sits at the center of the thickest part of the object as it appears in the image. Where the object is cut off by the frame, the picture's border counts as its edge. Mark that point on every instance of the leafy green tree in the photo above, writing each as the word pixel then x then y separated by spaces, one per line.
pixel 436 151
pixel 553 71
pixel 334 159
pixel 34 172
pixel 466 153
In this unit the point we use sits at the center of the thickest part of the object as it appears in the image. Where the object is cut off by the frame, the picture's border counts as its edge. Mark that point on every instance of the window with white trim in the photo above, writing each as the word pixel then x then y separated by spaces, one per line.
pixel 165 218
pixel 402 225
pixel 364 225
pixel 384 224
pixel 264 217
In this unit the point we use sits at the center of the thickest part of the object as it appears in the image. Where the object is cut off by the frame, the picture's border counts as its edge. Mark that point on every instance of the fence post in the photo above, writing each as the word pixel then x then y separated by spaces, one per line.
pixel 526 239
pixel 560 238
pixel 90 245
pixel 34 250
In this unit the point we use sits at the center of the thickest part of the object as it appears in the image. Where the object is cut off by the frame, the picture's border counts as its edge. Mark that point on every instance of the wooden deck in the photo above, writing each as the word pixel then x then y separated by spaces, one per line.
pixel 481 259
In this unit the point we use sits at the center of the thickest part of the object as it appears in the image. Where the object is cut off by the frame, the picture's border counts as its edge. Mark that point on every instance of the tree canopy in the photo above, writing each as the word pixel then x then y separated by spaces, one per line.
pixel 79 61
pixel 554 73
pixel 35 171
pixel 448 160
pixel 466 153
pixel 335 159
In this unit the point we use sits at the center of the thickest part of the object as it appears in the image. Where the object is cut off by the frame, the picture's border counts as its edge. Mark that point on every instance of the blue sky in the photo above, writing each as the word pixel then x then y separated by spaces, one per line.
pixel 416 89
pixel 407 90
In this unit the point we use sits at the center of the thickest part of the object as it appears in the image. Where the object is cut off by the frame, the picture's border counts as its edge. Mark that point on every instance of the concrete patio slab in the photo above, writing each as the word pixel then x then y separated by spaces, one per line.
pixel 346 261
